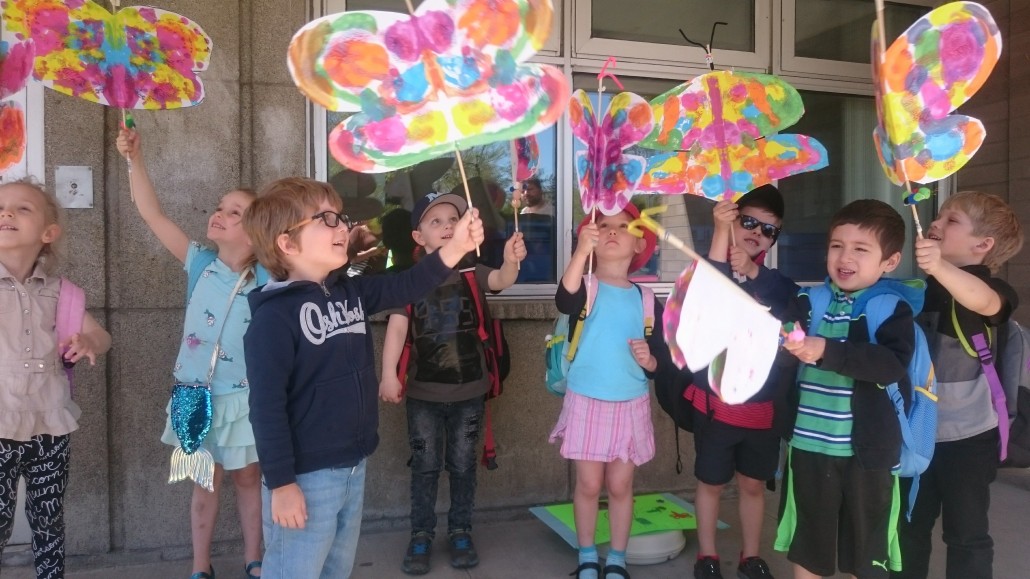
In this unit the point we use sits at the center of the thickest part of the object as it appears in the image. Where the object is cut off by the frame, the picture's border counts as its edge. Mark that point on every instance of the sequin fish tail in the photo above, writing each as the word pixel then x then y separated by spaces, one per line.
pixel 198 466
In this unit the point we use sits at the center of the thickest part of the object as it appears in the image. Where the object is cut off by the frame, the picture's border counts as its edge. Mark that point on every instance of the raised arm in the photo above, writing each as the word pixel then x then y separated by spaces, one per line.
pixel 573 276
pixel 168 233
pixel 514 253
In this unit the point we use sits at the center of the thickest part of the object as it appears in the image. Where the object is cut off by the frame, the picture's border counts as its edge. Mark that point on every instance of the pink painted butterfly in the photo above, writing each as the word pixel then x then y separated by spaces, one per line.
pixel 12 135
pixel 15 66
pixel 928 72
pixel 451 75
pixel 607 175
pixel 718 134
pixel 527 157
pixel 138 57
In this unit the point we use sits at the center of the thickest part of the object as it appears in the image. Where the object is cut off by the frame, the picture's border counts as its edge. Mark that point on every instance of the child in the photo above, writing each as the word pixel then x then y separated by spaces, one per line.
pixel 314 391
pixel 740 439
pixel 36 410
pixel 446 386
pixel 974 234
pixel 606 415
pixel 840 490
pixel 212 319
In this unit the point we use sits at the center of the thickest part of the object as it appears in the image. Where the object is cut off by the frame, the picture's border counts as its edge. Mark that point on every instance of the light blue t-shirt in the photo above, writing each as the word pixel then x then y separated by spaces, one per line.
pixel 604 367
pixel 203 312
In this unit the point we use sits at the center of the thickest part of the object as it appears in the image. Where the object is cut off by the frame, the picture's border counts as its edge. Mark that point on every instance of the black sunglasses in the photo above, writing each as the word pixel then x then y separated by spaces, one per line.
pixel 768 229
pixel 330 218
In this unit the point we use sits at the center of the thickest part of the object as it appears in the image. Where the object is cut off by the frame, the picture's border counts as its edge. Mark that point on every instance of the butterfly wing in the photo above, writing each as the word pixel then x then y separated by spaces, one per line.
pixel 15 66
pixel 722 108
pixel 750 166
pixel 140 57
pixel 12 135
pixel 627 120
pixel 527 157
pixel 928 72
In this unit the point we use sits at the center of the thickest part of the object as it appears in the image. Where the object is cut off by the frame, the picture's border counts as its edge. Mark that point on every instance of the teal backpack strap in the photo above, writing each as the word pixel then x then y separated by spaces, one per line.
pixel 204 257
pixel 819 301
pixel 261 275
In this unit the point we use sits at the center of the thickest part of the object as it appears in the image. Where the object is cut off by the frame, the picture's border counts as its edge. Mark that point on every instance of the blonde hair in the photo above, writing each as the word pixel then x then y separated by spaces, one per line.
pixel 278 207
pixel 53 214
pixel 991 217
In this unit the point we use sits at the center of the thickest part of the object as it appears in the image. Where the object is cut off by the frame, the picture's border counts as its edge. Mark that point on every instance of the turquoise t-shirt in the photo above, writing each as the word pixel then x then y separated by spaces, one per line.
pixel 604 367
pixel 203 315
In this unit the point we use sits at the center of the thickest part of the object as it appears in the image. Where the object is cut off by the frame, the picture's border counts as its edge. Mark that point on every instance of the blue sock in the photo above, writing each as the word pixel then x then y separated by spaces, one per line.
pixel 617 559
pixel 587 555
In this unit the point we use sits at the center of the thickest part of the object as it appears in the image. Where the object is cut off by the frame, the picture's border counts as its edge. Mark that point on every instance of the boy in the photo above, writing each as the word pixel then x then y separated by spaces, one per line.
pixel 313 400
pixel 840 490
pixel 972 237
pixel 447 384
pixel 740 439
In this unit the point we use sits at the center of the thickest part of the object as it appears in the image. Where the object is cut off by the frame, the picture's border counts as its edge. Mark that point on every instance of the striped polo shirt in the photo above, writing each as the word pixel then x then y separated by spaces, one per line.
pixel 824 419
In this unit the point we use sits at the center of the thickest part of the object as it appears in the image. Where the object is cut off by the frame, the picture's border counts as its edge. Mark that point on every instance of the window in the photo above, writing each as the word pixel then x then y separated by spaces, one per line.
pixel 616 27
pixel 832 37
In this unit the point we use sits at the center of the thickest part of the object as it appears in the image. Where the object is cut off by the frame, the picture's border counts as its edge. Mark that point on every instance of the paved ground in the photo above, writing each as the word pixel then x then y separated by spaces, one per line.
pixel 527 549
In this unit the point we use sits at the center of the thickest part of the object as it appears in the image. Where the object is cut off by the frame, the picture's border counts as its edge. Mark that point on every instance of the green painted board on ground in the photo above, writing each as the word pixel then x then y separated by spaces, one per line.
pixel 652 513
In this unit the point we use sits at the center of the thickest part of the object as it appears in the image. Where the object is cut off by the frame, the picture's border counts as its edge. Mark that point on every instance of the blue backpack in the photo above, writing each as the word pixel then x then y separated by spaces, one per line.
pixel 561 347
pixel 919 424
pixel 204 257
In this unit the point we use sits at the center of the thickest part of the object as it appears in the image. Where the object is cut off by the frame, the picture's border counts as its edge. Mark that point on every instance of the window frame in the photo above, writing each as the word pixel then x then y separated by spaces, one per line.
pixel 788 62
pixel 588 46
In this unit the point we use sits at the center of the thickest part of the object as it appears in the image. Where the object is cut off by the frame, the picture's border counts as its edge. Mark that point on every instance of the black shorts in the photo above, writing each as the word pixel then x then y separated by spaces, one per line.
pixel 841 515
pixel 723 449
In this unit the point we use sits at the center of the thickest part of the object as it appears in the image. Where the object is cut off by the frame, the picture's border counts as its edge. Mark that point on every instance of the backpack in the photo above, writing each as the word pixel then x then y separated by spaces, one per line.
pixel 561 348
pixel 1009 380
pixel 71 308
pixel 495 350
pixel 919 423
pixel 204 257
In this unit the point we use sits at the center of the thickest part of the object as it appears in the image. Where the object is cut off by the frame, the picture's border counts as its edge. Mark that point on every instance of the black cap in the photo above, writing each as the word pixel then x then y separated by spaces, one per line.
pixel 433 199
pixel 765 197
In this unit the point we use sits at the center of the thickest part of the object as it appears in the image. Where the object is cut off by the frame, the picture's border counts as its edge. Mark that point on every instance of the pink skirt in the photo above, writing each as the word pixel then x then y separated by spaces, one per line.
pixel 605 431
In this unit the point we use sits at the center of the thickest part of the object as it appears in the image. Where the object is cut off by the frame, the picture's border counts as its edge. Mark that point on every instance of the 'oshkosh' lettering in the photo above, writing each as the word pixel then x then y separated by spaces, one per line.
pixel 318 327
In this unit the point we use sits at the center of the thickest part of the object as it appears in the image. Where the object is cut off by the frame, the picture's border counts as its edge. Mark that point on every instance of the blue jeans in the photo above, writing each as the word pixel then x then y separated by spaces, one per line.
pixel 430 424
pixel 325 547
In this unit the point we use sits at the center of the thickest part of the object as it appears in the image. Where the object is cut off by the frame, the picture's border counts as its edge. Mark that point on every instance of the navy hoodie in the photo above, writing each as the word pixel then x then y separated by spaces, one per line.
pixel 314 395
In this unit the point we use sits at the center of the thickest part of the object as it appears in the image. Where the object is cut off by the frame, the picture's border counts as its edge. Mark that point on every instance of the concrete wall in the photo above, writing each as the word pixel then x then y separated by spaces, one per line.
pixel 251 129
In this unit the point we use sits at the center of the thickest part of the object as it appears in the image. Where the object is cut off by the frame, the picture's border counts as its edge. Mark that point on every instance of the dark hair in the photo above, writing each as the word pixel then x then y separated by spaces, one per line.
pixel 766 197
pixel 533 181
pixel 876 216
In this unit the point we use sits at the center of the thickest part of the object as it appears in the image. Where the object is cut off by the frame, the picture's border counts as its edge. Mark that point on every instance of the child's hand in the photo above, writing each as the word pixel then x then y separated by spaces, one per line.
pixel 642 354
pixel 390 389
pixel 589 236
pixel 78 347
pixel 725 213
pixel 515 248
pixel 928 255
pixel 468 232
pixel 742 263
pixel 810 350
pixel 128 144
pixel 288 507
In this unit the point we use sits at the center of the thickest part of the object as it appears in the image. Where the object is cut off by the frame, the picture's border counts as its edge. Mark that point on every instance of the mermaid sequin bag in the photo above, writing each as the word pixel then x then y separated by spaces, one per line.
pixel 191 414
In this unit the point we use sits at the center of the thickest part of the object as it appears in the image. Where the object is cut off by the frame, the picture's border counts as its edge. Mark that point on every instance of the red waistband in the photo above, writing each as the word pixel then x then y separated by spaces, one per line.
pixel 753 415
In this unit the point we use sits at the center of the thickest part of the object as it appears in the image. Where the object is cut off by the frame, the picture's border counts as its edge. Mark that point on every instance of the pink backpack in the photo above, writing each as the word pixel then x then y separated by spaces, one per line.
pixel 71 308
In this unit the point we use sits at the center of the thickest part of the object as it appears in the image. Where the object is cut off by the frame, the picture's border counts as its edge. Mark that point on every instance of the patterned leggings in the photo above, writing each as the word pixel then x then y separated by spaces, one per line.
pixel 43 461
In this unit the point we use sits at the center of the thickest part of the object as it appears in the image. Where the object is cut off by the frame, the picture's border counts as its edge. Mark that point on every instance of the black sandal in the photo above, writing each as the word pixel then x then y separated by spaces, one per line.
pixel 614 569
pixel 584 566
pixel 250 567
pixel 203 575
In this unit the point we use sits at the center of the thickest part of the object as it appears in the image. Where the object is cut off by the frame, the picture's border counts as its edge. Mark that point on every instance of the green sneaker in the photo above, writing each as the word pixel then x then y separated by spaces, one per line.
pixel 420 550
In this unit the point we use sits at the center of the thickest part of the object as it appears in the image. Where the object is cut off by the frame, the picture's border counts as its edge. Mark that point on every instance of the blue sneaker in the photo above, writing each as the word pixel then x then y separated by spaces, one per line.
pixel 420 550
pixel 463 552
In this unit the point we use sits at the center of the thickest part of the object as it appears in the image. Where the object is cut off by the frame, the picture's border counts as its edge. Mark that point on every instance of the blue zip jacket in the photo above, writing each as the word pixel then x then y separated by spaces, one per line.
pixel 314 395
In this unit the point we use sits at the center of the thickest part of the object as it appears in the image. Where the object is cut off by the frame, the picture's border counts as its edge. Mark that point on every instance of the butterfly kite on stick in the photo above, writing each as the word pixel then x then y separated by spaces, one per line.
pixel 717 134
pixel 525 155
pixel 15 70
pixel 450 75
pixel 929 71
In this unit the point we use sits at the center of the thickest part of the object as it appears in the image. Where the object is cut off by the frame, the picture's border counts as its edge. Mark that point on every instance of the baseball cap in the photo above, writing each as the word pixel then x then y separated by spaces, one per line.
pixel 432 200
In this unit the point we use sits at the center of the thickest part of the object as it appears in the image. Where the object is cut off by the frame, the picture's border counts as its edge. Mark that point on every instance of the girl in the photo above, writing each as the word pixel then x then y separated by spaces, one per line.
pixel 231 439
pixel 36 410
pixel 606 415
